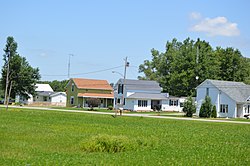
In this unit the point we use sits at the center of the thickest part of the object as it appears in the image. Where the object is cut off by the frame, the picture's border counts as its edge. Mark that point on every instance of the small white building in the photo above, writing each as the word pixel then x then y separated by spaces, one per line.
pixel 144 95
pixel 44 96
pixel 232 99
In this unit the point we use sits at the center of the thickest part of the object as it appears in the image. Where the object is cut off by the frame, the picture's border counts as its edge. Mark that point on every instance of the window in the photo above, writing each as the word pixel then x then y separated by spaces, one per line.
pixel 223 108
pixel 118 101
pixel 207 92
pixel 173 102
pixel 124 101
pixel 120 88
pixel 44 98
pixel 72 87
pixel 142 103
pixel 72 100
pixel 247 109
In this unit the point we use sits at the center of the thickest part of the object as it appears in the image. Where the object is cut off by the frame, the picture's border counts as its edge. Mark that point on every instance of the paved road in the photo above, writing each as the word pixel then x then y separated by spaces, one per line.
pixel 135 115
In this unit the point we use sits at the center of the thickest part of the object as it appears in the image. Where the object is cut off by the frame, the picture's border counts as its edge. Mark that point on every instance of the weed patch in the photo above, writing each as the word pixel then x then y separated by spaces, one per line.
pixel 112 144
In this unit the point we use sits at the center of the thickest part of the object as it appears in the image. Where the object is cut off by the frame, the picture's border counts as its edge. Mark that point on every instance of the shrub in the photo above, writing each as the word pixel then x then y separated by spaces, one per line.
pixel 111 144
pixel 189 107
pixel 93 102
pixel 214 112
pixel 110 107
pixel 206 108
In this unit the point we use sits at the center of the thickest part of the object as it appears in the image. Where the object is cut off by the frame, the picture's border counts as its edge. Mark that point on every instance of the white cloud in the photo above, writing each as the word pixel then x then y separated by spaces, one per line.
pixel 218 26
pixel 195 16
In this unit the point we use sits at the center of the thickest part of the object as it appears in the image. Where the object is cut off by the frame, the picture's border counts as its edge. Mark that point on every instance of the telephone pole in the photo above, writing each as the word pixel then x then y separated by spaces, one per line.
pixel 69 65
pixel 124 83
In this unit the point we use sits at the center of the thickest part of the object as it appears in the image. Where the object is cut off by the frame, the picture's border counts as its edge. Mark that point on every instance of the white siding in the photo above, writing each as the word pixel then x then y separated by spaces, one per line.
pixel 137 108
pixel 166 107
pixel 129 104
pixel 58 99
pixel 217 98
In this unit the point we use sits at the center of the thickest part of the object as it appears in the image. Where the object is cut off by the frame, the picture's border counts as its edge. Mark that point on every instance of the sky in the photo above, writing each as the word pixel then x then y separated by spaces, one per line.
pixel 96 35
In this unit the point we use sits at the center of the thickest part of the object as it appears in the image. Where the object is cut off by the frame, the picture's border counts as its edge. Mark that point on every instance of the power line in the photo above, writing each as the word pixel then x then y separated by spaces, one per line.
pixel 92 72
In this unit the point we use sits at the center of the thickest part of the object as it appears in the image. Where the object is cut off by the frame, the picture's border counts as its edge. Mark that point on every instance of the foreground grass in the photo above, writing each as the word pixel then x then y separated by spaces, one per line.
pixel 57 138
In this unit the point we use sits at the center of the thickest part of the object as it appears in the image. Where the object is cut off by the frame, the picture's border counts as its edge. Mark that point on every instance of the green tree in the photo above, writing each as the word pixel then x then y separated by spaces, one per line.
pixel 189 107
pixel 214 112
pixel 206 108
pixel 233 66
pixel 21 76
pixel 57 86
pixel 184 65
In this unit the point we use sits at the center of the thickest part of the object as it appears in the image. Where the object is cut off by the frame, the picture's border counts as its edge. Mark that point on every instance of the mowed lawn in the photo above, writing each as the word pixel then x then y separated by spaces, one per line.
pixel 33 137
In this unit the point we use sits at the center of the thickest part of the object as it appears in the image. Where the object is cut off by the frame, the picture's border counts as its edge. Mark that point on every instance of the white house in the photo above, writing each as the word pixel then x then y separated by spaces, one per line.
pixel 43 92
pixel 232 99
pixel 45 96
pixel 143 95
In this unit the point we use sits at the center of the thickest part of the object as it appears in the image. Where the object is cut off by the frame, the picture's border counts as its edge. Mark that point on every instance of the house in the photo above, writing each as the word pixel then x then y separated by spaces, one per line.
pixel 232 99
pixel 79 90
pixel 43 91
pixel 144 95
pixel 44 96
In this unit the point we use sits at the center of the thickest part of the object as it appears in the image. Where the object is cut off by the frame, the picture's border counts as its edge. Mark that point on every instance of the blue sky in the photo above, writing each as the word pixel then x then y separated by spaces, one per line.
pixel 100 34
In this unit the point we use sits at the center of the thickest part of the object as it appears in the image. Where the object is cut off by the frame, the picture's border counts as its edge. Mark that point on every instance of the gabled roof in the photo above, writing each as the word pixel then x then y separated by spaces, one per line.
pixel 238 91
pixel 83 83
pixel 144 85
pixel 43 88
pixel 58 93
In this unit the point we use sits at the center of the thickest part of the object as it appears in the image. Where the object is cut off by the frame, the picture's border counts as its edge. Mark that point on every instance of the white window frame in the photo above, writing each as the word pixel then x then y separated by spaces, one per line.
pixel 224 108
pixel 142 103
pixel 72 100
pixel 173 102
pixel 72 87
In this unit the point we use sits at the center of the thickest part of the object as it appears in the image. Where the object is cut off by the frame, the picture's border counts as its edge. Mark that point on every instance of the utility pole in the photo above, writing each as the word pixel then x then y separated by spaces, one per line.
pixel 69 66
pixel 7 79
pixel 124 82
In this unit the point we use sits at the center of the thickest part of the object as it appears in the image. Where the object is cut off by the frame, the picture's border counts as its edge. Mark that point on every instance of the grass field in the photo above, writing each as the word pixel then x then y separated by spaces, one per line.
pixel 33 137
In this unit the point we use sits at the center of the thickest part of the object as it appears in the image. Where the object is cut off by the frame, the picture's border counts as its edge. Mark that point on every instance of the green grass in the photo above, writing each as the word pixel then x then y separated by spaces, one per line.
pixel 59 138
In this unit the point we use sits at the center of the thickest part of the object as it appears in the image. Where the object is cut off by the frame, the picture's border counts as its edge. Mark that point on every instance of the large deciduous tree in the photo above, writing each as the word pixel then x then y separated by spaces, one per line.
pixel 19 77
pixel 184 65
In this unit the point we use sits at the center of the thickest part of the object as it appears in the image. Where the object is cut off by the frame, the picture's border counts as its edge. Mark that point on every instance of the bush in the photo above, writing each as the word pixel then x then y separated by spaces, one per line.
pixel 214 112
pixel 93 102
pixel 111 144
pixel 114 144
pixel 206 108
pixel 110 107
pixel 189 107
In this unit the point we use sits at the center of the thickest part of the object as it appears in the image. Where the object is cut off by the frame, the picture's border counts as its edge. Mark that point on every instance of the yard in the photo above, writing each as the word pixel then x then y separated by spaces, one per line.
pixel 33 137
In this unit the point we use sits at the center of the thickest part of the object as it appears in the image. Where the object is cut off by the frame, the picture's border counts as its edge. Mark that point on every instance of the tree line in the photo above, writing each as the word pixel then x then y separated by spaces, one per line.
pixel 184 65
